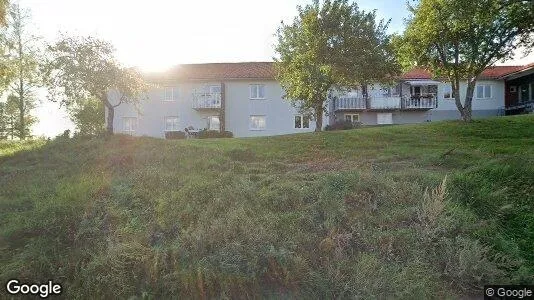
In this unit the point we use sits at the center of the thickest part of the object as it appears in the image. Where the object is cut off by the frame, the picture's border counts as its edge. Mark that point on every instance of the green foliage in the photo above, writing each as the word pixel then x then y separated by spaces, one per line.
pixel 210 134
pixel 331 45
pixel 458 39
pixel 175 135
pixel 343 125
pixel 22 75
pixel 88 116
pixel 351 214
pixel 82 68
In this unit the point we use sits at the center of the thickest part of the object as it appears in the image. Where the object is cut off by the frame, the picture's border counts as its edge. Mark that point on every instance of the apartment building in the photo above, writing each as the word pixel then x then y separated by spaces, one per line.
pixel 245 98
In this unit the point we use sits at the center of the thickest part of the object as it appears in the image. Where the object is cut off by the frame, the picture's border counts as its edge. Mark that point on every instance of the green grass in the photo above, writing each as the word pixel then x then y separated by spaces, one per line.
pixel 415 211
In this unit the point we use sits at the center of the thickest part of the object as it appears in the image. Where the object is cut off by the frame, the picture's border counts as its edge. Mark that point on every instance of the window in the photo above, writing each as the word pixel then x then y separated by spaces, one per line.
pixel 170 94
pixel 129 125
pixel 215 89
pixel 416 90
pixel 483 91
pixel 447 92
pixel 353 118
pixel 302 122
pixel 257 122
pixel 214 123
pixel 524 93
pixel 171 124
pixel 257 91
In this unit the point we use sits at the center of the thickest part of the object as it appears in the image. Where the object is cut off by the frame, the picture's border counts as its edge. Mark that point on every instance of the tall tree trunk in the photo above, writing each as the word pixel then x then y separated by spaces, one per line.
pixel 318 118
pixel 468 103
pixel 110 114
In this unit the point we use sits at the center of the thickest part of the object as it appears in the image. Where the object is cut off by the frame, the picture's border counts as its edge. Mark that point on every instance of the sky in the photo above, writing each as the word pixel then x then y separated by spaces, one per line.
pixel 158 34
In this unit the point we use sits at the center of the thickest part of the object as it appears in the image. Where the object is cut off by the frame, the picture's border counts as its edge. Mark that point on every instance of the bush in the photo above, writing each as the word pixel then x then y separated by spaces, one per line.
pixel 343 125
pixel 174 135
pixel 211 134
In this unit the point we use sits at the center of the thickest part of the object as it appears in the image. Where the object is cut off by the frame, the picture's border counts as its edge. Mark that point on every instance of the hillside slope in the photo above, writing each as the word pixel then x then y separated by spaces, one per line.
pixel 416 211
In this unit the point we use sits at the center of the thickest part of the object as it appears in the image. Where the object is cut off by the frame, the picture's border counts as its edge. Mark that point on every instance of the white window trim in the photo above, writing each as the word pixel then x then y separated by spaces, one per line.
pixel 174 91
pixel 484 91
pixel 209 122
pixel 352 117
pixel 256 129
pixel 301 122
pixel 250 91
pixel 130 131
pixel 165 123
pixel 451 92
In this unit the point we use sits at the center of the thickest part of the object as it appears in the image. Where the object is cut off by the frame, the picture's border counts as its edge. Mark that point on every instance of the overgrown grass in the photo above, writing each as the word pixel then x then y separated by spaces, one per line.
pixel 415 211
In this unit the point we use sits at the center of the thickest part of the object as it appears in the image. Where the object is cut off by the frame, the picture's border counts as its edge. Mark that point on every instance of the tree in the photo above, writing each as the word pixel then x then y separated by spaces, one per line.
pixel 18 127
pixel 81 68
pixel 88 116
pixel 331 45
pixel 458 39
pixel 22 56
pixel 4 4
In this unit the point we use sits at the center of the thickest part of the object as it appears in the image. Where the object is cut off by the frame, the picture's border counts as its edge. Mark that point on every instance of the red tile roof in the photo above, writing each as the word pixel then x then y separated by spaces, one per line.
pixel 265 70
pixel 493 72
pixel 218 71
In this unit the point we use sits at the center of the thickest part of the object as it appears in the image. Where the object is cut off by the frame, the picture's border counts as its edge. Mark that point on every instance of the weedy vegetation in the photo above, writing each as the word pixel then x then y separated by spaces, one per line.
pixel 414 211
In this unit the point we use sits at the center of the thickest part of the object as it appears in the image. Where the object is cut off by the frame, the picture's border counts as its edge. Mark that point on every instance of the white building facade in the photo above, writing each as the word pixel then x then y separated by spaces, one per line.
pixel 244 98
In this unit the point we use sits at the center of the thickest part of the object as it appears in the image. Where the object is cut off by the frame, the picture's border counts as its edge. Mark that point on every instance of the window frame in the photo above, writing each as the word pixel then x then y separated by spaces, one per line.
pixel 257 91
pixel 484 96
pixel 301 122
pixel 209 122
pixel 352 117
pixel 129 131
pixel 257 129
pixel 174 94
pixel 165 123
pixel 451 93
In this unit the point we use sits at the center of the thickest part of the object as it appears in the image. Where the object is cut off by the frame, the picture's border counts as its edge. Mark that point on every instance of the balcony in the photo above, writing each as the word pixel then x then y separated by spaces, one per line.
pixel 418 102
pixel 206 100
pixel 348 103
pixel 424 101
pixel 385 103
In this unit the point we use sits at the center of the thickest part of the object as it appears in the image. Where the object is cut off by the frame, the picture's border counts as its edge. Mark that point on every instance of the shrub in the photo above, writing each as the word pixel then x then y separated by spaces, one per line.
pixel 174 135
pixel 211 134
pixel 343 125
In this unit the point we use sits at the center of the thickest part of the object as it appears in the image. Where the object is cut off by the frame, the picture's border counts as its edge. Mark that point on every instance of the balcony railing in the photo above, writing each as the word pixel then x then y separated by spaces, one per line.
pixel 427 101
pixel 350 103
pixel 385 103
pixel 204 100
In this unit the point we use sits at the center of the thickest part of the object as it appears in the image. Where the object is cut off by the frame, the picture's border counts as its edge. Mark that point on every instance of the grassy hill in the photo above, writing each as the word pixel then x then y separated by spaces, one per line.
pixel 415 211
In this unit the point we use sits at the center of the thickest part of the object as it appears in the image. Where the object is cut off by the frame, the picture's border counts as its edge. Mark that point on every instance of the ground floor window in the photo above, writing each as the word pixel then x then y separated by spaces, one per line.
pixel 214 123
pixel 258 122
pixel 129 125
pixel 353 118
pixel 171 124
pixel 384 118
pixel 525 93
pixel 302 122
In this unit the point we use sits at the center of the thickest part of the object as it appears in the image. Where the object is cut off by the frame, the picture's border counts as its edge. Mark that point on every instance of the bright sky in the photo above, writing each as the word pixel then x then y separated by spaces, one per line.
pixel 158 34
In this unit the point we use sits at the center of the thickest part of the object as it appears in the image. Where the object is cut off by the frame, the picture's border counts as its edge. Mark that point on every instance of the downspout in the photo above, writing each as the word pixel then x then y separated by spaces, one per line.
pixel 222 115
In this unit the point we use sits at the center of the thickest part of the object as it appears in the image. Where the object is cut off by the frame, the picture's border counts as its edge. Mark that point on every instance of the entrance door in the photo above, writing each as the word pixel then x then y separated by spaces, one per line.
pixel 384 118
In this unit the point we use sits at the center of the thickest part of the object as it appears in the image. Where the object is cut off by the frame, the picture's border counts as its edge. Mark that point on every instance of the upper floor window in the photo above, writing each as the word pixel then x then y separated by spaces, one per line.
pixel 257 91
pixel 129 125
pixel 447 92
pixel 483 91
pixel 171 124
pixel 170 94
pixel 258 122
pixel 302 122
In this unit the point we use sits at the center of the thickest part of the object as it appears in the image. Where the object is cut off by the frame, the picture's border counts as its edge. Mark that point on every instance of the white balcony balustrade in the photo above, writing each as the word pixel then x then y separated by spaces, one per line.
pixel 206 100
